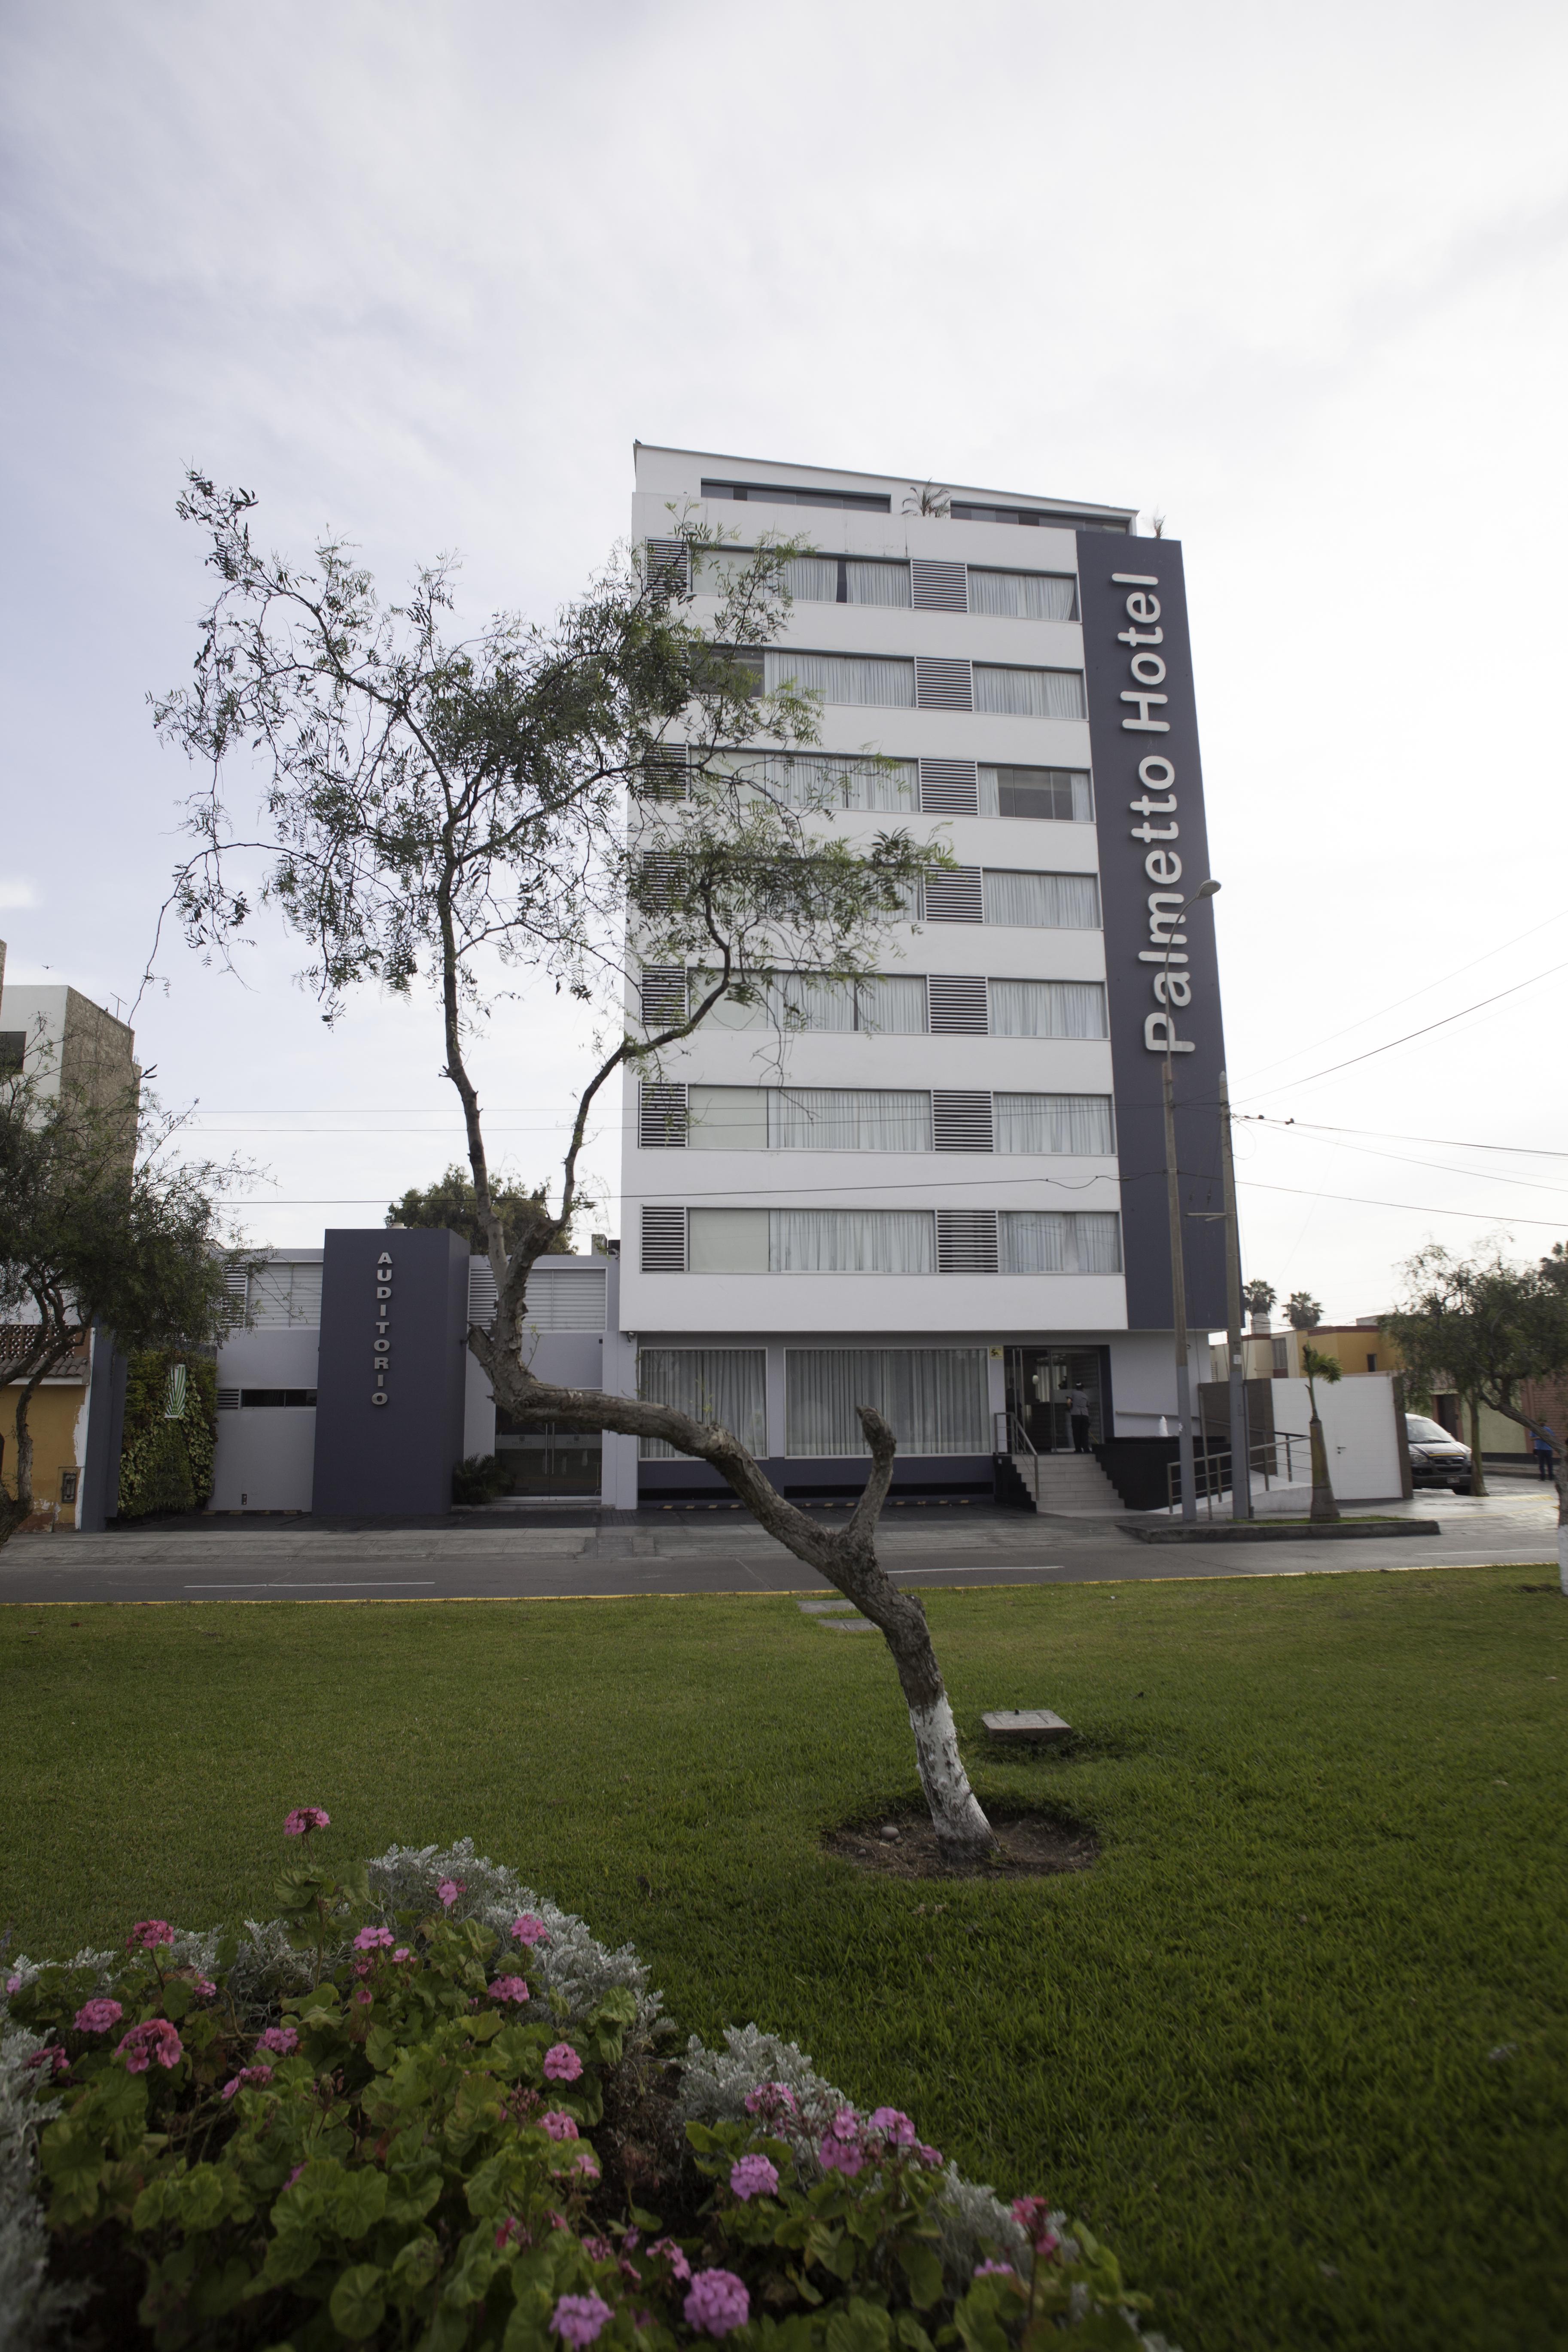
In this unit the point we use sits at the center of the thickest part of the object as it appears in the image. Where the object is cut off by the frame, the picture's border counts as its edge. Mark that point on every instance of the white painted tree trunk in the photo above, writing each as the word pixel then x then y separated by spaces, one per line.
pixel 955 1810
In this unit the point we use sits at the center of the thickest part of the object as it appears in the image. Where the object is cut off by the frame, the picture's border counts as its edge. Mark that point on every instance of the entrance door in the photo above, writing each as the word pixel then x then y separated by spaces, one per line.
pixel 1040 1385
pixel 548 1461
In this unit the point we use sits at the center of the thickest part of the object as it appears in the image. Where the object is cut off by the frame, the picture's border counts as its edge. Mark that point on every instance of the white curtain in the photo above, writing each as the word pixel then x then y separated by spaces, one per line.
pixel 727 1118
pixel 1053 902
pixel 877 584
pixel 933 1397
pixel 724 1385
pixel 1047 1008
pixel 727 1241
pixel 852 1240
pixel 1027 693
pixel 811 779
pixel 1062 794
pixel 892 1004
pixel 848 1118
pixel 811 579
pixel 1025 595
pixel 1052 1241
pixel 844 678
pixel 1072 1123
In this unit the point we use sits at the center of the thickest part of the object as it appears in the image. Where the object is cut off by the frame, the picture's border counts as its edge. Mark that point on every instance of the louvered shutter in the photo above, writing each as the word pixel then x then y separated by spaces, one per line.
pixel 663 992
pixel 950 787
pixel 955 897
pixel 481 1292
pixel 966 1241
pixel 957 1006
pixel 941 685
pixel 656 879
pixel 229 1400
pixel 668 566
pixel 939 587
pixel 663 1241
pixel 961 1119
pixel 661 1117
pixel 664 774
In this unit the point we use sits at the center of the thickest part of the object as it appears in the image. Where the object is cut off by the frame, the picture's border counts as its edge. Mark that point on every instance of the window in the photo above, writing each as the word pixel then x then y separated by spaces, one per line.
pixel 558 1298
pixel 814 780
pixel 811 1241
pixel 251 1398
pixel 1058 795
pixel 890 1005
pixel 1028 693
pixel 283 1292
pixel 961 510
pixel 1054 1241
pixel 775 494
pixel 1079 1124
pixel 12 1052
pixel 726 1386
pixel 848 1118
pixel 934 1399
pixel 889 685
pixel 1052 902
pixel 811 579
pixel 1024 595
pixel 1047 1008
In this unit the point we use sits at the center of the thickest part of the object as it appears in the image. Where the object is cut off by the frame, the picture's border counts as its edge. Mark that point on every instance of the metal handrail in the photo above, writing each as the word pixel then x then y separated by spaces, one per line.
pixel 1212 1469
pixel 1007 1428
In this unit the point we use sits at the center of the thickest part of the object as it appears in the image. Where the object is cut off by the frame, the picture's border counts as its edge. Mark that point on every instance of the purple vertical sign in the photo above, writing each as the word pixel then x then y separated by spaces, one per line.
pixel 1162 975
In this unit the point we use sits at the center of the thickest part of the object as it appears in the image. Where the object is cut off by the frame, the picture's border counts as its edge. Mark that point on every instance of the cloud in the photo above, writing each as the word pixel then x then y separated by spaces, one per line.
pixel 14 894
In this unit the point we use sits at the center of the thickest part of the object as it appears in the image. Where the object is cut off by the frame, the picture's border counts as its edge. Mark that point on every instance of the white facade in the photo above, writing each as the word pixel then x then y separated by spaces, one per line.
pixel 743 1283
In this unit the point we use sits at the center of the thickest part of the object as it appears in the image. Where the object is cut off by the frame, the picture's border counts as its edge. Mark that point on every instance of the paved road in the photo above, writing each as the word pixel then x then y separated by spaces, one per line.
pixel 560 1555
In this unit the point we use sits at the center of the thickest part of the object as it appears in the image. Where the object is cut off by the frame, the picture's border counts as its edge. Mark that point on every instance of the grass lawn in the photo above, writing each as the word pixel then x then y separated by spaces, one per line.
pixel 1254 2046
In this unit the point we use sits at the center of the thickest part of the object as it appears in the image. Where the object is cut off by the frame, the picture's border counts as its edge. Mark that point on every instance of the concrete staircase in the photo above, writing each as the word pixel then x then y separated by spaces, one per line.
pixel 1072 1485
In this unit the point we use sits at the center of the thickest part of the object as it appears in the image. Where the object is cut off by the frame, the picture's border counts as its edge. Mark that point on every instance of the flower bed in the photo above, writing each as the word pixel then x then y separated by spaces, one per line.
pixel 423 2106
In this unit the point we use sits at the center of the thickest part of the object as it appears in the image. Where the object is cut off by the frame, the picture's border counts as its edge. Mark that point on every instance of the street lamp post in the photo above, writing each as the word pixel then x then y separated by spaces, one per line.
pixel 1186 1452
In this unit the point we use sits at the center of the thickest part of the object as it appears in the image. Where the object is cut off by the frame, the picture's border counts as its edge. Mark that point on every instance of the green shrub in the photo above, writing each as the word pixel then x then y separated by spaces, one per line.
pixel 480 1478
pixel 391 2152
pixel 166 1458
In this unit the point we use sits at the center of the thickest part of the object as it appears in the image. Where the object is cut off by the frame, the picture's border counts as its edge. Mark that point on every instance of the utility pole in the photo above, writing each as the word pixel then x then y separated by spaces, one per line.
pixel 1240 1440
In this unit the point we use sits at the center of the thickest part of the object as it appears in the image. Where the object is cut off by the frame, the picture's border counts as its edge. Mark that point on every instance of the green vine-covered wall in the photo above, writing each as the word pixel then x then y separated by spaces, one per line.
pixel 166 1460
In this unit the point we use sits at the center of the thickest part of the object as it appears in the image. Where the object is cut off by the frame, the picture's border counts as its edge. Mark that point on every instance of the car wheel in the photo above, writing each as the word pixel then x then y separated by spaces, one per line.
pixel 1461 1487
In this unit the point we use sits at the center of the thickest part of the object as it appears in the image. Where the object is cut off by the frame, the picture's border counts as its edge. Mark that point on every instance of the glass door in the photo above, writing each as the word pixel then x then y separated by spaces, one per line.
pixel 1042 1383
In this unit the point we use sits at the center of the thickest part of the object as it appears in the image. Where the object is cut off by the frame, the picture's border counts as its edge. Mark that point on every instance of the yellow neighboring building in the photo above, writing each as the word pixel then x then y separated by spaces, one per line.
pixel 58 1418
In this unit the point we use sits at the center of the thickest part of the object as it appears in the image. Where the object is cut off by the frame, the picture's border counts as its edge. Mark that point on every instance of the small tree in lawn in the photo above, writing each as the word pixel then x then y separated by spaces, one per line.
pixel 1316 1367
pixel 452 808
pixel 97 1224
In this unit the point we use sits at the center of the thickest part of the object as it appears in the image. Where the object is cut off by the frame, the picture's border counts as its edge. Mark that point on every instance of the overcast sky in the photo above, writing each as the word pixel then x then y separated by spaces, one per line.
pixel 1299 280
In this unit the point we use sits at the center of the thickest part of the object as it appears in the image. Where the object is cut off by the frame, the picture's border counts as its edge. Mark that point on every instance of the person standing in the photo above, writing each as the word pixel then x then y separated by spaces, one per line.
pixel 1078 1414
pixel 1546 1448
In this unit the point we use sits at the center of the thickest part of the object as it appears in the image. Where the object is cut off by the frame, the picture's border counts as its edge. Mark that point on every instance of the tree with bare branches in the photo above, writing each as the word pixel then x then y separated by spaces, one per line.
pixel 613 794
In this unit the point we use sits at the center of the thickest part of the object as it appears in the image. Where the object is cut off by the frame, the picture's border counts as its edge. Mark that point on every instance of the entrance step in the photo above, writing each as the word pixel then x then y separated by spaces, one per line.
pixel 1070 1484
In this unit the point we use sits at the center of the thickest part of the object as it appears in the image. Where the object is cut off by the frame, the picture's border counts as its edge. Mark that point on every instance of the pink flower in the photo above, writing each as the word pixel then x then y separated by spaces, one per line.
pixel 753 2175
pixel 579 2318
pixel 203 1988
pixel 154 2041
pixel 928 2155
pixel 513 2228
pixel 558 2126
pixel 895 2125
pixel 52 2057
pixel 363 1996
pixel 561 2063
pixel 294 2175
pixel 995 2270
pixel 148 1934
pixel 449 1890
pixel 529 1930
pixel 586 2163
pixel 304 1819
pixel 774 2102
pixel 598 2250
pixel 98 2016
pixel 718 2302
pixel 13 1984
pixel 374 1939
pixel 1033 2215
pixel 247 2075
pixel 281 2040
pixel 841 2150
pixel 507 1989
pixel 678 2266
pixel 403 1953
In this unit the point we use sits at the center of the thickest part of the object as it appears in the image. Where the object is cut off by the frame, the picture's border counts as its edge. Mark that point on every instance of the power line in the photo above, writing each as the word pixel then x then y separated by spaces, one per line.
pixel 1417 1208
pixel 1447 1019
pixel 1393 1135
pixel 1440 1167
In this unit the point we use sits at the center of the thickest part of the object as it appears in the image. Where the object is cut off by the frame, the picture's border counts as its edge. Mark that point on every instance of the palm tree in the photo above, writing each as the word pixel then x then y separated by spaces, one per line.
pixel 1315 1367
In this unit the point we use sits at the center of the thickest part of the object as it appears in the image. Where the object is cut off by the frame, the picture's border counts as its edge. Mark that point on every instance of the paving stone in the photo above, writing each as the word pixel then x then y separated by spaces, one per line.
pixel 1036 1725
pixel 846 1625
pixel 825 1608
